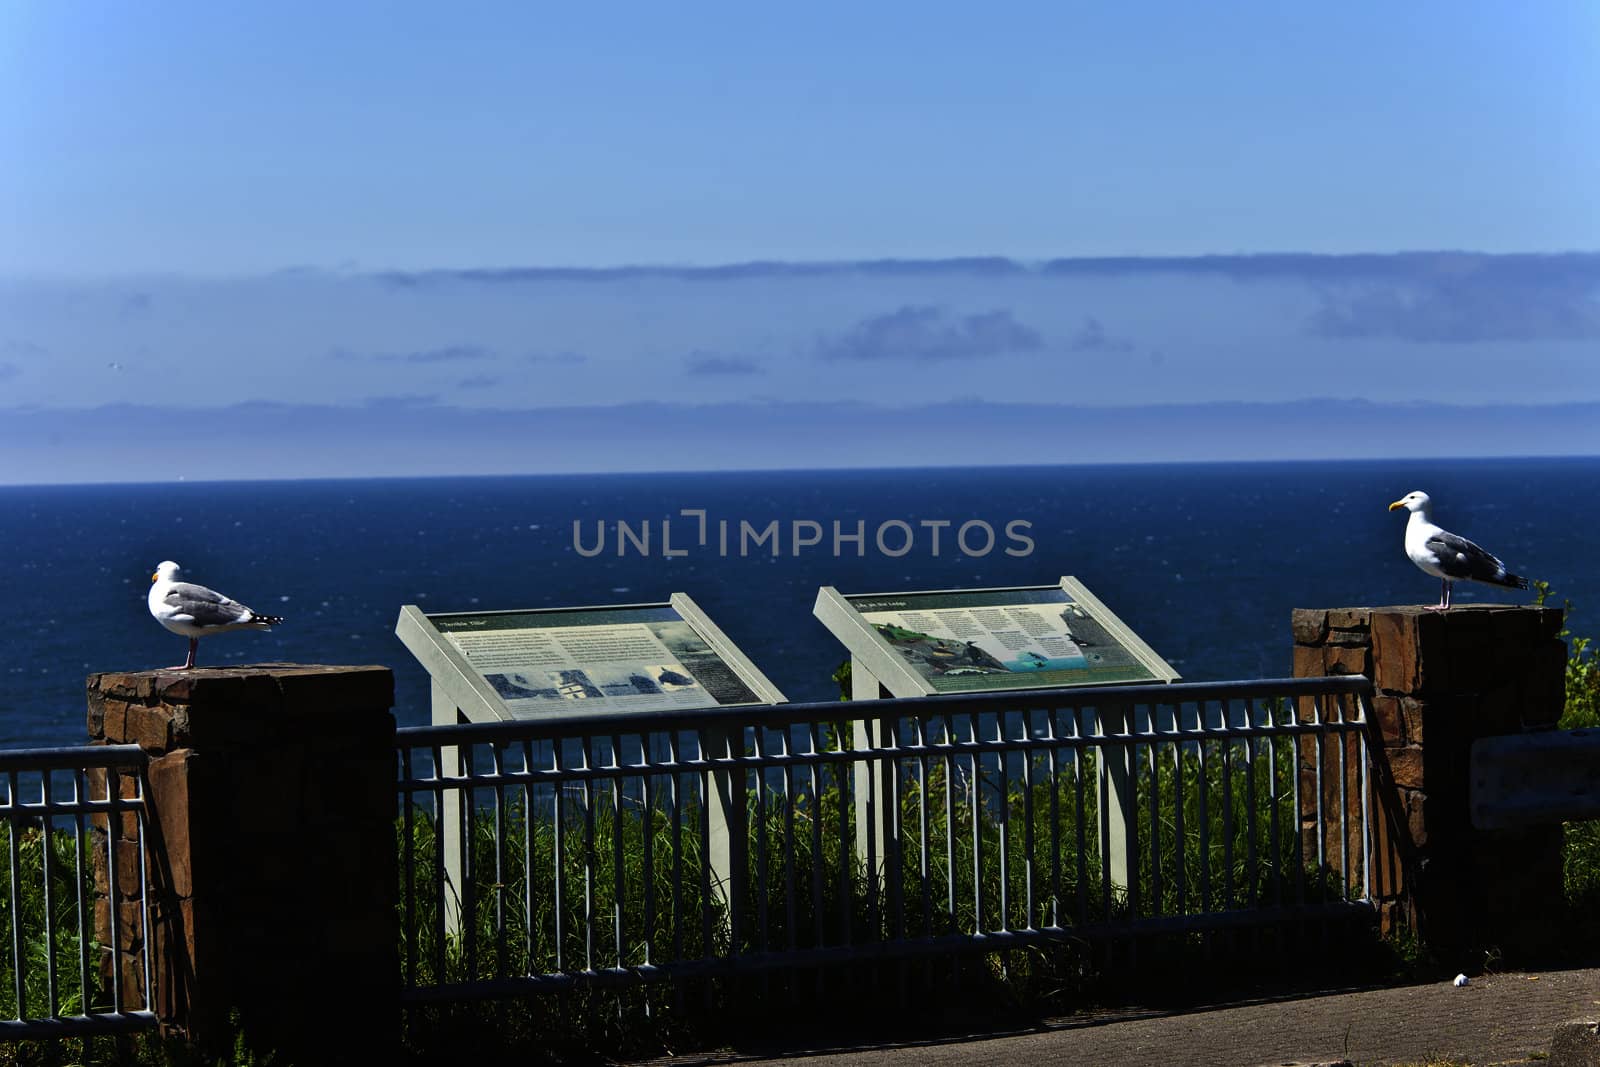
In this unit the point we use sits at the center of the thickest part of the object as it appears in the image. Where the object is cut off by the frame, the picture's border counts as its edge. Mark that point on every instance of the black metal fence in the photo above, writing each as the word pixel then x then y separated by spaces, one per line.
pixel 619 851
pixel 75 920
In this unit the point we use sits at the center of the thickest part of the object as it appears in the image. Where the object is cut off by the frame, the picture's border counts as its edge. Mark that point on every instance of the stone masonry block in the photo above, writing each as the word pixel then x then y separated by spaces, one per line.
pixel 1307 661
pixel 1358 619
pixel 1310 625
pixel 1344 660
pixel 1386 712
pixel 1413 712
pixel 1406 767
pixel 168 778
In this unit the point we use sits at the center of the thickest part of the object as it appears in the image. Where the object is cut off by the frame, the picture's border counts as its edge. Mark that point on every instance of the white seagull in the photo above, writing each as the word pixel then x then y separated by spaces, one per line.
pixel 1446 556
pixel 195 611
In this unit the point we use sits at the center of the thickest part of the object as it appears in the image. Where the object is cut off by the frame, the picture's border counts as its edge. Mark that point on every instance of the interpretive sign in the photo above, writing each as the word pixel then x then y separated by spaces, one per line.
pixel 977 640
pixel 559 662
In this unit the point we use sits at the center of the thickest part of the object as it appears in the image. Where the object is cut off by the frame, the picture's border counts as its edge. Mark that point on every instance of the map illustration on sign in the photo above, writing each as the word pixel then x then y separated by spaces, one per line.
pixel 644 658
pixel 971 640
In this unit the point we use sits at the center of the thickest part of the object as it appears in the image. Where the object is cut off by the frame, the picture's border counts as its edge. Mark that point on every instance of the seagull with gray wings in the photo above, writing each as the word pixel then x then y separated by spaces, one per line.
pixel 194 611
pixel 1446 556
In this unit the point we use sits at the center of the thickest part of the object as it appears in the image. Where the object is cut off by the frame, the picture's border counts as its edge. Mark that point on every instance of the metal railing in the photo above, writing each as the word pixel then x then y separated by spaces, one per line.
pixel 617 851
pixel 75 921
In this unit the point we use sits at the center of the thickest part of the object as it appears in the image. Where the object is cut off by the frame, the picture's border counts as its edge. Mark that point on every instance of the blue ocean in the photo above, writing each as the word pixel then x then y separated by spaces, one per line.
pixel 1204 561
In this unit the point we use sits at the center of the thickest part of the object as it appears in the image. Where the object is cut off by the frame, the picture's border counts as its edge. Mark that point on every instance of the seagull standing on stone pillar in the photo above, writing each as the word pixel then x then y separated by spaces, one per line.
pixel 195 611
pixel 1446 556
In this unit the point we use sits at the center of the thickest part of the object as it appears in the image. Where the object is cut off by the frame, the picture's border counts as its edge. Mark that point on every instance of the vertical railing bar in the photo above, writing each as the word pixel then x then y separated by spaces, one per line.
pixel 1322 840
pixel 924 842
pixel 1154 847
pixel 675 799
pixel 113 834
pixel 497 762
pixel 1027 822
pixel 13 829
pixel 1344 805
pixel 1297 828
pixel 1227 803
pixel 469 858
pixel 974 794
pixel 841 775
pixel 1366 795
pixel 145 939
pixel 1203 804
pixel 1003 758
pixel 618 868
pixel 528 931
pixel 707 793
pixel 558 851
pixel 648 775
pixel 1275 798
pixel 52 999
pixel 1103 774
pixel 1181 846
pixel 790 850
pixel 80 795
pixel 758 735
pixel 894 858
pixel 408 871
pixel 818 928
pixel 950 822
pixel 1053 756
pixel 590 859
pixel 1251 822
pixel 1078 754
pixel 439 871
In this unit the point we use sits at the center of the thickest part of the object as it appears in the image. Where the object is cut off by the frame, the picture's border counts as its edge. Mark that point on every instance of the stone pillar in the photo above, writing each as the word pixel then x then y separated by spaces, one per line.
pixel 271 851
pixel 1444 680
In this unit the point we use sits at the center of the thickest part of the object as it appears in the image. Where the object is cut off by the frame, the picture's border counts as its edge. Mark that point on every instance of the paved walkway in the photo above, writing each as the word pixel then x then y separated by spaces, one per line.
pixel 1497 1019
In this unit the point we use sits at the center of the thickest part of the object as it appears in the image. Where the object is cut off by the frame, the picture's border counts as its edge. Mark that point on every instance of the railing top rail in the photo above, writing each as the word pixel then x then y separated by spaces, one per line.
pixel 783 715
pixel 69 757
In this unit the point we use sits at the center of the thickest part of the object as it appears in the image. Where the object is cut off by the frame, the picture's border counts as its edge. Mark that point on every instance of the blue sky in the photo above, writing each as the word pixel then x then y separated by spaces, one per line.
pixel 353 206
pixel 205 138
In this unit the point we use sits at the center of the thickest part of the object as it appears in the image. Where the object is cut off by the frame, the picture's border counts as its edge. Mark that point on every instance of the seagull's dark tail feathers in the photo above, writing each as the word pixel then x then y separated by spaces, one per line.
pixel 1511 581
pixel 274 620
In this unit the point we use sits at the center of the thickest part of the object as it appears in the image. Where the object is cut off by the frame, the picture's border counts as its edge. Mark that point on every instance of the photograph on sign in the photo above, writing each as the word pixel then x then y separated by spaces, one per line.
pixel 623 659
pixel 962 641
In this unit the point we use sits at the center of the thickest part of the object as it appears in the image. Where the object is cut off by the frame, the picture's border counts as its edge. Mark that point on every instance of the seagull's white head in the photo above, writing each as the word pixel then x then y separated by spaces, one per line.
pixel 1413 501
pixel 166 570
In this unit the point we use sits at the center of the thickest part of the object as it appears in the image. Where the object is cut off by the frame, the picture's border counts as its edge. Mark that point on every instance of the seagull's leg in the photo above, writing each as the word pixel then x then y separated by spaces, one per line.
pixel 1444 596
pixel 189 663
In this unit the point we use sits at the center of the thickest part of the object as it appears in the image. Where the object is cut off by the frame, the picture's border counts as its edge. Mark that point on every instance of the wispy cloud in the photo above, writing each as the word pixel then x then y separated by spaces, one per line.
pixel 23 349
pixel 1478 305
pixel 9 371
pixel 402 401
pixel 926 334
pixel 985 266
pixel 711 364
pixel 555 357
pixel 448 354
pixel 478 381
pixel 1092 337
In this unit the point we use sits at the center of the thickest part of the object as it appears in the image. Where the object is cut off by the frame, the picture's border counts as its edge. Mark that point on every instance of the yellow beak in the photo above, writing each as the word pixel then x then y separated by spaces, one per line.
pixel 156 577
pixel 1397 504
